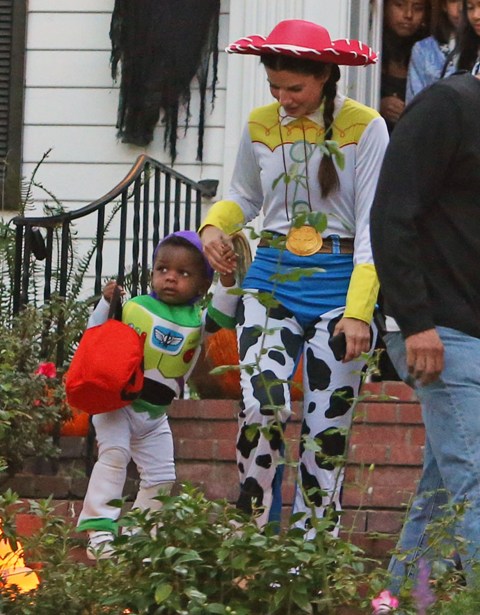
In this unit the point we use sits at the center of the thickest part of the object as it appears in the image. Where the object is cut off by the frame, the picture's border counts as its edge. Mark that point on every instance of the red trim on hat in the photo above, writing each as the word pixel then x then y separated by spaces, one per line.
pixel 316 44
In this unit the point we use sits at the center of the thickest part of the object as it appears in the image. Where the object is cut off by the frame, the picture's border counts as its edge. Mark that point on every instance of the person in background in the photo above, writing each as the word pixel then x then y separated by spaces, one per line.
pixel 404 23
pixel 285 170
pixel 425 240
pixel 174 325
pixel 435 56
pixel 469 37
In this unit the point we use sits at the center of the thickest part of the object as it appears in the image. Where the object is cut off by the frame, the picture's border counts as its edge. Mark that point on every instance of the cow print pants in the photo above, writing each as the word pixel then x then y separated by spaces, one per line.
pixel 271 346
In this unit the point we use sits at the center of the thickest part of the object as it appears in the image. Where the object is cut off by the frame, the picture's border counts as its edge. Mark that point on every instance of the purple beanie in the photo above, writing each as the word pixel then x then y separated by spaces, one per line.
pixel 195 240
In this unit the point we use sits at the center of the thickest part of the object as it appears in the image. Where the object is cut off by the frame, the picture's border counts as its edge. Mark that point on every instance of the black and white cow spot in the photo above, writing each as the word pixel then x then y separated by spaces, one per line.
pixel 248 338
pixel 245 445
pixel 277 356
pixel 240 313
pixel 305 431
pixel 251 496
pixel 318 372
pixel 311 329
pixel 291 342
pixel 330 512
pixel 332 442
pixel 264 461
pixel 279 312
pixel 268 391
pixel 340 402
pixel 311 487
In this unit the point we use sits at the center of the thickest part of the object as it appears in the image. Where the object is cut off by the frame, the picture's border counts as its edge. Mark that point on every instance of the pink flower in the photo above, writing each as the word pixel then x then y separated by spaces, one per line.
pixel 385 599
pixel 47 369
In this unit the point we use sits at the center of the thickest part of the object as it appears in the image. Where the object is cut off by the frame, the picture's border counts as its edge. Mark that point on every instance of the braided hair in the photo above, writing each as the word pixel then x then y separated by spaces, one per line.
pixel 327 172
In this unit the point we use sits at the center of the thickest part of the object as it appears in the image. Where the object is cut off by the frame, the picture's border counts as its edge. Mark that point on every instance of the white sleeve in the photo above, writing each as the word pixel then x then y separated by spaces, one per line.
pixel 370 151
pixel 99 314
pixel 245 187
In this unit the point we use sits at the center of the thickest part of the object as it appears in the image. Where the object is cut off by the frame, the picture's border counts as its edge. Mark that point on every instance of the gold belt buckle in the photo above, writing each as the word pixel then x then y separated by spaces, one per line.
pixel 303 240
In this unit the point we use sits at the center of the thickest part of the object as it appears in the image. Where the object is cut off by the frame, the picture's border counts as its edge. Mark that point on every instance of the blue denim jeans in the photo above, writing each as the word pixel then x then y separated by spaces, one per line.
pixel 451 467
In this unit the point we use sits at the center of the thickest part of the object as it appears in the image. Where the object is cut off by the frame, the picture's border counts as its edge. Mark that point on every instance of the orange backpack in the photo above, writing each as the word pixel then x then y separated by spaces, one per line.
pixel 106 372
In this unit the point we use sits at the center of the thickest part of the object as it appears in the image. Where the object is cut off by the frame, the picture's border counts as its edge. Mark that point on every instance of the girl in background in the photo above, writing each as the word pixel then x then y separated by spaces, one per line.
pixel 469 37
pixel 435 57
pixel 404 23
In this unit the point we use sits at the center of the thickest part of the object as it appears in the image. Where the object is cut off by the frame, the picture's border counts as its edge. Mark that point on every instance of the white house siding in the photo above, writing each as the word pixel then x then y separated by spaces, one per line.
pixel 71 106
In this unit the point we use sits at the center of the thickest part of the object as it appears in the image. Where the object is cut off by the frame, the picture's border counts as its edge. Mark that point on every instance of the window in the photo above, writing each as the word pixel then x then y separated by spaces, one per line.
pixel 12 61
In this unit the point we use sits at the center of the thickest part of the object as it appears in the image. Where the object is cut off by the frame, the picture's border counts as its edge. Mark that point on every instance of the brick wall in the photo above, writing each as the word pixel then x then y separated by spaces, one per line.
pixel 384 459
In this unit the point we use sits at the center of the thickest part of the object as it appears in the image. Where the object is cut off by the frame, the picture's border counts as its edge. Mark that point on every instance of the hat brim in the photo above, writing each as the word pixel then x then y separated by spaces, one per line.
pixel 343 52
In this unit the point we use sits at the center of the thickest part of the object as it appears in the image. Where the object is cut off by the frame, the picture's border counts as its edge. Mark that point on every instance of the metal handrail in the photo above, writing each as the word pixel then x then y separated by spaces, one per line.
pixel 151 201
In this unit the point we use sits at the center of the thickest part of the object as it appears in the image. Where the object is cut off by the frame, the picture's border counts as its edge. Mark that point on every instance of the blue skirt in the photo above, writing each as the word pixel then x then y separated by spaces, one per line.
pixel 309 296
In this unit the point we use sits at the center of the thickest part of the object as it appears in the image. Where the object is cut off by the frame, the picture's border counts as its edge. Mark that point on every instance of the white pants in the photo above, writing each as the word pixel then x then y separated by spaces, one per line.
pixel 123 435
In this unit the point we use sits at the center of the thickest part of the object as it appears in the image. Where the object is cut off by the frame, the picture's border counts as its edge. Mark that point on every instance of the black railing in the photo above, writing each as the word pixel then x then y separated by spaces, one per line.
pixel 123 226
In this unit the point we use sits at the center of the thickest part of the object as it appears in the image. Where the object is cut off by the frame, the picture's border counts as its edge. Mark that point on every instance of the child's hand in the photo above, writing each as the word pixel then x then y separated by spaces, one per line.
pixel 109 289
pixel 228 279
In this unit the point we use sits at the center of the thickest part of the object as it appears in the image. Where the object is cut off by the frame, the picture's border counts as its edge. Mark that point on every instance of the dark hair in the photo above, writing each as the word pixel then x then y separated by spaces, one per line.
pixel 327 173
pixel 440 25
pixel 468 42
pixel 399 48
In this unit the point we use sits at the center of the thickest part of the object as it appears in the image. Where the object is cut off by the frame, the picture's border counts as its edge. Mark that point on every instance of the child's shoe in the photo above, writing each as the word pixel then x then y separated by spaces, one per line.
pixel 100 545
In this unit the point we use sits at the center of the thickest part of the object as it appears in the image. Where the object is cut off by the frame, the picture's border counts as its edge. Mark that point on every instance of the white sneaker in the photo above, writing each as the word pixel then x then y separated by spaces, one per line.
pixel 100 545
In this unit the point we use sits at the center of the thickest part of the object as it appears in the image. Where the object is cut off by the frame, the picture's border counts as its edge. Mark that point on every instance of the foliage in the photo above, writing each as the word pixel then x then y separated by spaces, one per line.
pixel 193 557
pixel 32 405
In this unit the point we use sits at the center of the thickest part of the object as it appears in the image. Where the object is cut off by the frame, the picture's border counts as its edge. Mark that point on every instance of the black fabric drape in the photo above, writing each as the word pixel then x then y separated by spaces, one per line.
pixel 161 46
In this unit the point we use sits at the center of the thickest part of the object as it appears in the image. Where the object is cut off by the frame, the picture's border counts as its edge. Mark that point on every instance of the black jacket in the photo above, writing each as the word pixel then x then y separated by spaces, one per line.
pixel 425 220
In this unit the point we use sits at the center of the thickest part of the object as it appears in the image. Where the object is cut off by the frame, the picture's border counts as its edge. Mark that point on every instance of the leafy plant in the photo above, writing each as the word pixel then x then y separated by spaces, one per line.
pixel 193 557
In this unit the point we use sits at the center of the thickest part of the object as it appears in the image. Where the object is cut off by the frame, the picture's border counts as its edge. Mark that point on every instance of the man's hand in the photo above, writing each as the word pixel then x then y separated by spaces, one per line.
pixel 425 359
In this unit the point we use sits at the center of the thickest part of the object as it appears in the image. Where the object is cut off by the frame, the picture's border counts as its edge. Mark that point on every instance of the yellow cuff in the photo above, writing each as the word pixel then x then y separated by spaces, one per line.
pixel 362 293
pixel 225 215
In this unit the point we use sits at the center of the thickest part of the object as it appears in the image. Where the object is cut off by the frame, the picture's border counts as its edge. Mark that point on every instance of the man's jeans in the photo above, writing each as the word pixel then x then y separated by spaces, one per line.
pixel 451 414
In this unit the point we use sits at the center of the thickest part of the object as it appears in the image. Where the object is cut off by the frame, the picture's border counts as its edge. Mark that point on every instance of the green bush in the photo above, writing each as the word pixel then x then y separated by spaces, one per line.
pixel 193 557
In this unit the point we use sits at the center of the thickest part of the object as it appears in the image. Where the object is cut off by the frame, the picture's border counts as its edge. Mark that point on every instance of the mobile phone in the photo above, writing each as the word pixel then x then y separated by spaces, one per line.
pixel 338 344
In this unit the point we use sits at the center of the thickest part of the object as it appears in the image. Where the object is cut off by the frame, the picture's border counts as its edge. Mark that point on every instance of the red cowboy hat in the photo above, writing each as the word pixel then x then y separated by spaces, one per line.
pixel 304 39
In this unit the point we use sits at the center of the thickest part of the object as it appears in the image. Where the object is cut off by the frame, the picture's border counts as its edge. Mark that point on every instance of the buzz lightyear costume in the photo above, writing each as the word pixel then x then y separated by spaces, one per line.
pixel 140 431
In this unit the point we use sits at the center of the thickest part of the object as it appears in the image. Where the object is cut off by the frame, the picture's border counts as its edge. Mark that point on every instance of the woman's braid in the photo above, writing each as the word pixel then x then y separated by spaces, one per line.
pixel 327 173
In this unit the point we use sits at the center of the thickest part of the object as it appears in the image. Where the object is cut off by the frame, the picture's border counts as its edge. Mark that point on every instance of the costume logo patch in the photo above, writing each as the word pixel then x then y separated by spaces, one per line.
pixel 166 339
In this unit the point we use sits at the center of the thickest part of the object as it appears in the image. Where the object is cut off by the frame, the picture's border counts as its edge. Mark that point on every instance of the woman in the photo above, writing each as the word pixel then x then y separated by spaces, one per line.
pixel 469 37
pixel 403 25
pixel 284 171
pixel 434 57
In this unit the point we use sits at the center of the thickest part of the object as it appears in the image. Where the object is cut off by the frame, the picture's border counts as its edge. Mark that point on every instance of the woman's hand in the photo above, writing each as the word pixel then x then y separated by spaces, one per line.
pixel 357 333
pixel 218 248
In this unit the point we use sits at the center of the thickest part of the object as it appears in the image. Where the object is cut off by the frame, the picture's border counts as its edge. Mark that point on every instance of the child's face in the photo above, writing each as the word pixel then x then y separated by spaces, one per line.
pixel 473 14
pixel 453 8
pixel 178 275
pixel 404 17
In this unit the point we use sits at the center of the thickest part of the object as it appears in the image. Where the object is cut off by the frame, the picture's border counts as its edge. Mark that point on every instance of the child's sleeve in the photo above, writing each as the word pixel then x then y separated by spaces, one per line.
pixel 222 307
pixel 99 314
